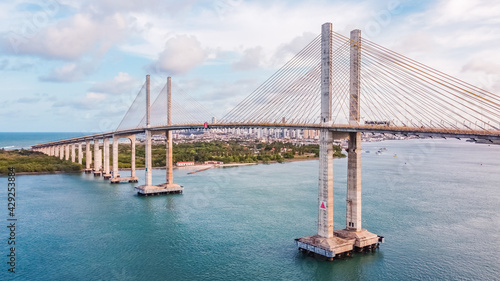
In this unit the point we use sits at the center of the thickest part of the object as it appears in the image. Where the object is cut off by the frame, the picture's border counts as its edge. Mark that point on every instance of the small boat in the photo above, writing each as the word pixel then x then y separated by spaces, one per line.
pixel 395 155
pixel 378 153
pixel 368 151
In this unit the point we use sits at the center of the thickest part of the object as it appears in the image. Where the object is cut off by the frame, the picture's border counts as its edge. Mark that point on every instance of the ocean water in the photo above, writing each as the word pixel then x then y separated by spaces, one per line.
pixel 18 140
pixel 437 202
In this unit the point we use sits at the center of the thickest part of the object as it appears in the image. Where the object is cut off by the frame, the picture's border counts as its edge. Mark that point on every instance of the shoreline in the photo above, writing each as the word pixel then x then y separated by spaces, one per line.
pixel 197 167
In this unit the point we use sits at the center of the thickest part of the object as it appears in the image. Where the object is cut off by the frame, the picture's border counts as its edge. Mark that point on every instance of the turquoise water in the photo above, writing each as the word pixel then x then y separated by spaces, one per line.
pixel 437 204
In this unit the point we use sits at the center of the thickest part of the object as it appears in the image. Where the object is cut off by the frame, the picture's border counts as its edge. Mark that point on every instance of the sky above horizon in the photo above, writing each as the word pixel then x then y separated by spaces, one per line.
pixel 77 66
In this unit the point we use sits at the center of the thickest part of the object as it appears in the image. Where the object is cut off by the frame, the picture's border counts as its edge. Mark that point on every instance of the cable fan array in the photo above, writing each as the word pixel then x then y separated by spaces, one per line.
pixel 185 110
pixel 395 91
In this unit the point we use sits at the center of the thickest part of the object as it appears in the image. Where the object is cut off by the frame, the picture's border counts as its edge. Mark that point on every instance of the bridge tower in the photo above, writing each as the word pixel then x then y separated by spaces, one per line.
pixel 330 243
pixel 169 187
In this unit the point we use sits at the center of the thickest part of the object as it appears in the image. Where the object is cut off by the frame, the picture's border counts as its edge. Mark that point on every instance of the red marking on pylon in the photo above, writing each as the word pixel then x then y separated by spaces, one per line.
pixel 322 205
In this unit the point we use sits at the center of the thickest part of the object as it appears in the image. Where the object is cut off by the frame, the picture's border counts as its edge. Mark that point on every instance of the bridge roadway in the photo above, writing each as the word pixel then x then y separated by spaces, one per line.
pixel 407 131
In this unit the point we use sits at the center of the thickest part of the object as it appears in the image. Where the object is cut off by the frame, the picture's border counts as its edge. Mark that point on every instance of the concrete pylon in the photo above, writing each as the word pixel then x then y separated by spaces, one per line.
pixel 88 157
pixel 325 191
pixel 328 242
pixel 115 157
pixel 116 176
pixel 80 153
pixel 98 162
pixel 169 157
pixel 169 187
pixel 66 152
pixel 105 148
pixel 61 152
pixel 97 159
pixel 147 143
pixel 132 158
pixel 353 210
pixel 73 156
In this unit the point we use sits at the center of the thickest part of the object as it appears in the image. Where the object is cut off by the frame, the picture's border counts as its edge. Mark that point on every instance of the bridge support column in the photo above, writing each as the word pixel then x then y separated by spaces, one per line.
pixel 105 148
pixel 353 211
pixel 80 153
pixel 115 158
pixel 116 176
pixel 363 240
pixel 169 157
pixel 73 156
pixel 331 243
pixel 148 160
pixel 97 158
pixel 169 186
pixel 61 152
pixel 88 157
pixel 66 152
pixel 132 159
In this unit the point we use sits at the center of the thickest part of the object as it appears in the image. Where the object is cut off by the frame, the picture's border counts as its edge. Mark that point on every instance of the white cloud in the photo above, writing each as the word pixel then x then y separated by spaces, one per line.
pixel 91 101
pixel 71 38
pixel 181 54
pixel 69 72
pixel 252 58
pixel 120 84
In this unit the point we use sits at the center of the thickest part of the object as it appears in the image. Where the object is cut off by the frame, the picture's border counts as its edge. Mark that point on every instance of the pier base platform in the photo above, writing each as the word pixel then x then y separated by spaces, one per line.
pixel 166 188
pixel 107 176
pixel 88 171
pixel 343 244
pixel 97 173
pixel 127 179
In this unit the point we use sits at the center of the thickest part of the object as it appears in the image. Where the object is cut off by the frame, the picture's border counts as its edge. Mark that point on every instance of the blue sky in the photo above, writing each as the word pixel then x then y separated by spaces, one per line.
pixel 77 65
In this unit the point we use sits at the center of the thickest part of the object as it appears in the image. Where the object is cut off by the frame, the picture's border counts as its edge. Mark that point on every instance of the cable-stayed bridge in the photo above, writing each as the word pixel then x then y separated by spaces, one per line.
pixel 341 86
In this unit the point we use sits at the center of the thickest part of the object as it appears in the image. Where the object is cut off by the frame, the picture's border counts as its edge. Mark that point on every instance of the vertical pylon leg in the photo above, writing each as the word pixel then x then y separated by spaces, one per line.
pixel 66 152
pixel 353 212
pixel 88 157
pixel 80 153
pixel 148 159
pixel 325 191
pixel 73 156
pixel 132 156
pixel 105 148
pixel 115 157
pixel 169 160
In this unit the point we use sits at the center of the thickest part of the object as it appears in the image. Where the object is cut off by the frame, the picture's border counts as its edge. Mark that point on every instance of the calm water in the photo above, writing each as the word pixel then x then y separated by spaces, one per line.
pixel 437 204
pixel 17 140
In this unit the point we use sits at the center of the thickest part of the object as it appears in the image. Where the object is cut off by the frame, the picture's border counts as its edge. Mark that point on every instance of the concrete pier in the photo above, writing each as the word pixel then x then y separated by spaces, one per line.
pixel 98 163
pixel 169 187
pixel 88 157
pixel 116 178
pixel 105 148
pixel 80 153
pixel 330 243
pixel 66 152
pixel 73 156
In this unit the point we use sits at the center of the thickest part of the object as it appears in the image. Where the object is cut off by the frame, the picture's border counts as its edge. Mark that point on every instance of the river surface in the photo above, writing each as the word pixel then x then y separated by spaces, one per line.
pixel 437 203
